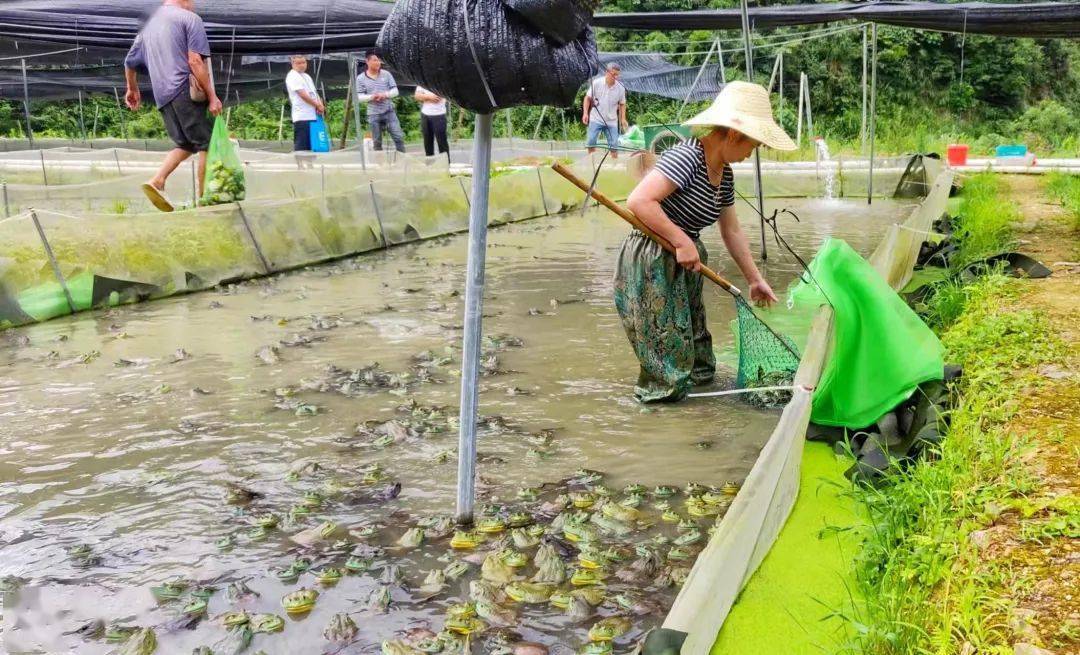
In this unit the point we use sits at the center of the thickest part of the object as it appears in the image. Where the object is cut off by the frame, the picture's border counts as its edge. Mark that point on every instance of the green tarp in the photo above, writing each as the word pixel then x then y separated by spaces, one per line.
pixel 881 348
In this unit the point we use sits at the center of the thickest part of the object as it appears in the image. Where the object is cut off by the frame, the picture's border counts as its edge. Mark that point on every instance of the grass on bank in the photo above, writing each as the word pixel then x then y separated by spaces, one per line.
pixel 924 585
pixel 1065 188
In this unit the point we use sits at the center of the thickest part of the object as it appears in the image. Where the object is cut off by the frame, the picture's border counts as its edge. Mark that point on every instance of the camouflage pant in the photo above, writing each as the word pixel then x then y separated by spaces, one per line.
pixel 664 318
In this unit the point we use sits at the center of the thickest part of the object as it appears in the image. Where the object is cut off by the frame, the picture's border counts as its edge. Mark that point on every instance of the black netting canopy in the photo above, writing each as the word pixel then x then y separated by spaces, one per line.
pixel 1034 20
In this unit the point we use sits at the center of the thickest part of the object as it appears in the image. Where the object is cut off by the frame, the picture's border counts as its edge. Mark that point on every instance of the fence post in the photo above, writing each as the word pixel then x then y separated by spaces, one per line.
pixel 26 104
pixel 44 174
pixel 7 209
pixel 52 260
pixel 378 215
pixel 267 269
pixel 873 112
pixel 116 157
pixel 543 197
pixel 757 151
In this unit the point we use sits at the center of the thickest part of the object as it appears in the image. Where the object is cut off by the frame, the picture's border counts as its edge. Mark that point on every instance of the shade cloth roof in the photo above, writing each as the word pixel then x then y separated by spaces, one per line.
pixel 1036 20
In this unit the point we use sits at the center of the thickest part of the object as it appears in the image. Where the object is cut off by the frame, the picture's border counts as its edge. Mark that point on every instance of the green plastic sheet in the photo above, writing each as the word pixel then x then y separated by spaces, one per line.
pixel 881 349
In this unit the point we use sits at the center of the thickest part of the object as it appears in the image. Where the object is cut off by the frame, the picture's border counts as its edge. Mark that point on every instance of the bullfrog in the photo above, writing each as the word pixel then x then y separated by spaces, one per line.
pixel 233 619
pixel 238 495
pixel 678 553
pixel 463 540
pixel 513 558
pixel 578 609
pixel 620 512
pixel 235 641
pixel 195 607
pixel 583 499
pixel 529 592
pixel 430 645
pixel 688 538
pixel 587 476
pixel 519 519
pixel 412 538
pixel 670 516
pixel 258 533
pixel 634 489
pixel 635 604
pixel 480 590
pixel 379 599
pixel 551 571
pixel 679 574
pixel 496 614
pixel 596 648
pixel 433 584
pixel 358 564
pixel 730 488
pixel 266 623
pixel 142 642
pixel 583 577
pixel 580 532
pixel 609 628
pixel 698 507
pixel 522 539
pixel 544 553
pixel 695 489
pixel 239 592
pixel 456 569
pixel 391 574
pixel 341 629
pixel 610 526
pixel 225 543
pixel 116 633
pixel 373 476
pixel 463 626
pixel 170 590
pixel 299 601
pixel 399 647
pixel 687 525
pixel 536 530
pixel 494 569
pixel 665 491
pixel 600 490
pixel 365 532
pixel 298 511
pixel 591 557
pixel 660 540
pixel 528 494
pixel 268 521
pixel 461 611
pixel 491 525
pixel 633 501
pixel 436 527
pixel 329 576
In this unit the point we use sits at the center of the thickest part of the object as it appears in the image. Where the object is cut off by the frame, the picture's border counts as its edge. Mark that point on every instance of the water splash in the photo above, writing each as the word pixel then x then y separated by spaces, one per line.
pixel 823 157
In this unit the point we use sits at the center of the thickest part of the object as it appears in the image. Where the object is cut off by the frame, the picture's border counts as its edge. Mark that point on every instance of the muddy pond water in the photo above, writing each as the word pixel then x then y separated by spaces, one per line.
pixel 119 431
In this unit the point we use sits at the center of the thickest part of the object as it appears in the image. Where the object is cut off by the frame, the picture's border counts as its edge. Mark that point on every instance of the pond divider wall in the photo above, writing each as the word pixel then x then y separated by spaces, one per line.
pixel 79 261
pixel 755 519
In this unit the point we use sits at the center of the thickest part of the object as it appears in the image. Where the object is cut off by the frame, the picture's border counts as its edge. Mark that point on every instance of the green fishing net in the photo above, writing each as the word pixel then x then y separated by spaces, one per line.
pixel 766 358
pixel 881 349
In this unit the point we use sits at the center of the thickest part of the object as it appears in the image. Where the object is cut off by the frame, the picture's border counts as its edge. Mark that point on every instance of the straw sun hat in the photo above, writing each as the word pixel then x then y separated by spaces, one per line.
pixel 745 107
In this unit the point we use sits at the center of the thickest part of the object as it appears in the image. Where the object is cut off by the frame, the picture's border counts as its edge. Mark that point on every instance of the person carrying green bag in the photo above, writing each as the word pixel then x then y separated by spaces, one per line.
pixel 172 48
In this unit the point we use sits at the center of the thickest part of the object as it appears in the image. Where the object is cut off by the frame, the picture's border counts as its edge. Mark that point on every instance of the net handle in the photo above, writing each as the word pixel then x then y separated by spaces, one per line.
pixel 629 217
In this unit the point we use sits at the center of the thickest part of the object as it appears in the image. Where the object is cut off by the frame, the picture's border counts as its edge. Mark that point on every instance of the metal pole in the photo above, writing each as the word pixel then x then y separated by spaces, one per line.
pixel 44 174
pixel 539 122
pixel 123 118
pixel 799 116
pixel 757 151
pixel 378 215
pixel 510 127
pixel 52 260
pixel 720 58
pixel 93 130
pixel 116 158
pixel 7 209
pixel 26 104
pixel 862 127
pixel 809 113
pixel 780 89
pixel 873 110
pixel 281 123
pixel 82 119
pixel 354 72
pixel 194 186
pixel 474 302
pixel 775 68
pixel 697 78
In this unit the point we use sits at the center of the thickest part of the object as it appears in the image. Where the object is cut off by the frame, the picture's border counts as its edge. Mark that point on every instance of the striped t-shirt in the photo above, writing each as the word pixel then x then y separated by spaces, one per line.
pixel 696 204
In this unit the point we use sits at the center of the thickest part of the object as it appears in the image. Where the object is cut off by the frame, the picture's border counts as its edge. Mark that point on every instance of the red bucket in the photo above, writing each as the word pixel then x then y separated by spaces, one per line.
pixel 957 154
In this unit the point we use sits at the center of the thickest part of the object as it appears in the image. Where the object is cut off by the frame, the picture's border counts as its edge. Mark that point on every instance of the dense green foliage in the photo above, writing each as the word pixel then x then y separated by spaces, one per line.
pixel 934 88
pixel 1065 188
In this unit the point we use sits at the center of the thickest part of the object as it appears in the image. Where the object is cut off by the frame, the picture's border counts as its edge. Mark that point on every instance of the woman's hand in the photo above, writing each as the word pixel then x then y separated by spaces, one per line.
pixel 688 257
pixel 761 293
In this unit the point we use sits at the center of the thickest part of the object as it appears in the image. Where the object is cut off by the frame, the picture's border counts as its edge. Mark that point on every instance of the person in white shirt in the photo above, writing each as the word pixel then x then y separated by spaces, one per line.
pixel 306 104
pixel 433 121
pixel 605 109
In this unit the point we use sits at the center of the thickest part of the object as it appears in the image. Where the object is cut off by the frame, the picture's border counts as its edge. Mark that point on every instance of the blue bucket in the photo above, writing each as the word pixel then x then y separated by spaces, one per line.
pixel 1011 151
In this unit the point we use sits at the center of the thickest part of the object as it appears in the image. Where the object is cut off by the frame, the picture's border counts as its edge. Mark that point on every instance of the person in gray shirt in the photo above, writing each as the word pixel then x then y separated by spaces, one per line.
pixel 376 88
pixel 171 47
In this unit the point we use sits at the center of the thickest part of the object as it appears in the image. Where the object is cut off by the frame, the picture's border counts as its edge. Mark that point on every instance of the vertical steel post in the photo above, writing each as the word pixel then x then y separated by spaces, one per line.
pixel 510 126
pixel 93 130
pixel 194 186
pixel 281 123
pixel 799 114
pixel 82 119
pixel 697 78
pixel 354 72
pixel 123 117
pixel 44 174
pixel 474 307
pixel 757 151
pixel 26 104
pixel 7 208
pixel 52 261
pixel 539 122
pixel 862 127
pixel 720 59
pixel 873 111
pixel 809 113
pixel 780 89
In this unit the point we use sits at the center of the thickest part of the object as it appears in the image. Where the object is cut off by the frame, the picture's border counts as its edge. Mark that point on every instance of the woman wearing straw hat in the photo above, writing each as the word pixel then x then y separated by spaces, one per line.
pixel 659 295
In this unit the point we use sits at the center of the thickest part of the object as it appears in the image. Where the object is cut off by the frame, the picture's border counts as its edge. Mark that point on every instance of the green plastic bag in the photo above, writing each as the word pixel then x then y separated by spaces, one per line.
pixel 633 139
pixel 881 349
pixel 224 180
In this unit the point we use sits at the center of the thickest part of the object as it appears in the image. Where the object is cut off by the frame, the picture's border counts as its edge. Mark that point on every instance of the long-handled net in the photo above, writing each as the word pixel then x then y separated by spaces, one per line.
pixel 767 360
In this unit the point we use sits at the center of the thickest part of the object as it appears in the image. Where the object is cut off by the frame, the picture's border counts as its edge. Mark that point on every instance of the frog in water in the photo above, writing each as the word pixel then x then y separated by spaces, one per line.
pixel 300 601
pixel 341 629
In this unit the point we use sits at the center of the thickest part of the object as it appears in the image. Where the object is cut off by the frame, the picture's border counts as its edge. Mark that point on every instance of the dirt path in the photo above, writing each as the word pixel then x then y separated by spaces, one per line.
pixel 1038 547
